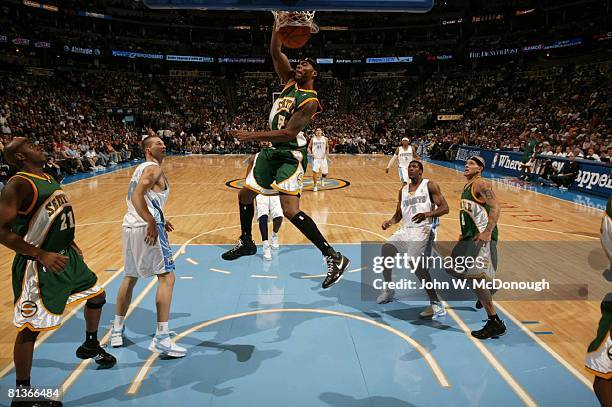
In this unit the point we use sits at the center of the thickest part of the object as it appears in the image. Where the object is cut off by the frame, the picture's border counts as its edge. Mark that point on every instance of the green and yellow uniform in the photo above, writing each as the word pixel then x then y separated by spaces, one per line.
pixel 529 149
pixel 281 168
pixel 474 214
pixel 41 295
pixel 599 356
pixel 474 217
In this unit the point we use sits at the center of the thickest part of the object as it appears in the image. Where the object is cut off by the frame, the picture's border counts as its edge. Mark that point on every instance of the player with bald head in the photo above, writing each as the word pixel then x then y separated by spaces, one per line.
pixel 146 248
pixel 37 222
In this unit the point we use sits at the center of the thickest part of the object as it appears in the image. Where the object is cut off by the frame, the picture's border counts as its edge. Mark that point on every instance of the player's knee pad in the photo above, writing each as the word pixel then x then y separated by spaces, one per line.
pixel 96 302
pixel 263 219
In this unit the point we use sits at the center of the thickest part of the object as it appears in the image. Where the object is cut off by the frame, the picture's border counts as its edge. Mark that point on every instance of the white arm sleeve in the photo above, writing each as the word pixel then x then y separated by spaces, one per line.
pixel 392 160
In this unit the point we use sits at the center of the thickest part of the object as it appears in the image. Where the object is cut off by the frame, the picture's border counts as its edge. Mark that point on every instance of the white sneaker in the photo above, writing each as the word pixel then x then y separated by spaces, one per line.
pixel 274 243
pixel 163 344
pixel 433 311
pixel 117 337
pixel 315 189
pixel 386 296
pixel 267 253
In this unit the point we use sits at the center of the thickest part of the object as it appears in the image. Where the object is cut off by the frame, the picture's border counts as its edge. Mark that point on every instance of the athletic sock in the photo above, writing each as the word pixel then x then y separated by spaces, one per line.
pixel 263 227
pixel 307 226
pixel 91 338
pixel 118 322
pixel 23 383
pixel 162 328
pixel 246 218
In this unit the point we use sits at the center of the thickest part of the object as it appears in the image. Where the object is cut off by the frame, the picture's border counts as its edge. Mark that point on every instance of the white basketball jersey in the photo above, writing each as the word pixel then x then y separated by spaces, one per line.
pixel 319 146
pixel 418 201
pixel 155 200
pixel 404 156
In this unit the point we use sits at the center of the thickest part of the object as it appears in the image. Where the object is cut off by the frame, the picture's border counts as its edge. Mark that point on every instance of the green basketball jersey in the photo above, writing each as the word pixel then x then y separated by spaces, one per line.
pixel 474 215
pixel 48 222
pixel 291 99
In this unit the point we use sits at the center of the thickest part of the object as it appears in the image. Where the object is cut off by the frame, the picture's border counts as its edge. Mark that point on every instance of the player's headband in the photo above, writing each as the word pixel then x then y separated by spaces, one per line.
pixel 478 160
pixel 312 62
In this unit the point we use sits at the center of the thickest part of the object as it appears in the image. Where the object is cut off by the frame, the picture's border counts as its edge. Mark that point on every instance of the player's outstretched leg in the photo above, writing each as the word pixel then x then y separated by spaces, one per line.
pixel 124 298
pixel 246 245
pixel 336 262
pixel 91 349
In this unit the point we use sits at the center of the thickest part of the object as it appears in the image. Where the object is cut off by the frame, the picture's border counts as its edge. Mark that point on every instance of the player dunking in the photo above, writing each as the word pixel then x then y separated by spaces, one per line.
pixel 404 154
pixel 37 222
pixel 319 148
pixel 268 206
pixel 479 214
pixel 420 204
pixel 281 169
pixel 146 249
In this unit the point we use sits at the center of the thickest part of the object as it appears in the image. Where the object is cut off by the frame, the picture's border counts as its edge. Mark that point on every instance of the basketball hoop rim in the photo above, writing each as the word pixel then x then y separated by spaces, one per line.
pixel 284 18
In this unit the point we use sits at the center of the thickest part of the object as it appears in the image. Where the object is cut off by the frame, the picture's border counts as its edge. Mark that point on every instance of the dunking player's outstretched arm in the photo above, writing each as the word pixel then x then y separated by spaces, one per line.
pixel 441 206
pixel 298 122
pixel 17 196
pixel 483 190
pixel 150 176
pixel 397 216
pixel 281 62
pixel 392 160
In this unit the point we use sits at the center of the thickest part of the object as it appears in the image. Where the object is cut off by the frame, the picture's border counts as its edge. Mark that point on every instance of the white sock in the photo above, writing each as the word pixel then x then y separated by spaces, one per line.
pixel 266 243
pixel 162 328
pixel 274 234
pixel 118 322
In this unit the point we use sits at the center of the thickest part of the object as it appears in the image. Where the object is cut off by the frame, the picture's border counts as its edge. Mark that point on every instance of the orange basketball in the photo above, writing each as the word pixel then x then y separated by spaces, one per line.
pixel 293 36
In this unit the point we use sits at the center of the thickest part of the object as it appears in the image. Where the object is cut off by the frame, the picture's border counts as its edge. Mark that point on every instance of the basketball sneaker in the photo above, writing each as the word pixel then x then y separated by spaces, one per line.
pixel 274 242
pixel 492 329
pixel 315 189
pixel 433 311
pixel 104 359
pixel 386 296
pixel 267 252
pixel 244 247
pixel 336 264
pixel 117 337
pixel 162 343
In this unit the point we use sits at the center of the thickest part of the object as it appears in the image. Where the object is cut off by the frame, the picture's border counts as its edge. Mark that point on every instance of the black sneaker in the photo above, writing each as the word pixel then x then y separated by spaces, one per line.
pixel 492 329
pixel 478 304
pixel 99 355
pixel 36 403
pixel 243 248
pixel 335 268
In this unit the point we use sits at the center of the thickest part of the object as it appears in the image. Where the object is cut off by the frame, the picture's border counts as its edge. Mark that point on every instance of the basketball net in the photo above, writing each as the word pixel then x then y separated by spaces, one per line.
pixel 296 19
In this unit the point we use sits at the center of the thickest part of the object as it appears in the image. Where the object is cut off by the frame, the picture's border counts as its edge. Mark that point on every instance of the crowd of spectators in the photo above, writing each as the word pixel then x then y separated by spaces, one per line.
pixel 564 109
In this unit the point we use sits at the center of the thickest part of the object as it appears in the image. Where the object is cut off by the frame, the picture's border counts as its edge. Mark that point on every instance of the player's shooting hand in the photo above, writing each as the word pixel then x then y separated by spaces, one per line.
pixel 483 237
pixel 386 225
pixel 151 236
pixel 168 226
pixel 53 261
pixel 419 217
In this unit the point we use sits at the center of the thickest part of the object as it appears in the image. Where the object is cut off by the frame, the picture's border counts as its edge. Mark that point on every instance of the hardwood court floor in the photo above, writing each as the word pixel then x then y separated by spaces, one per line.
pixel 203 210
